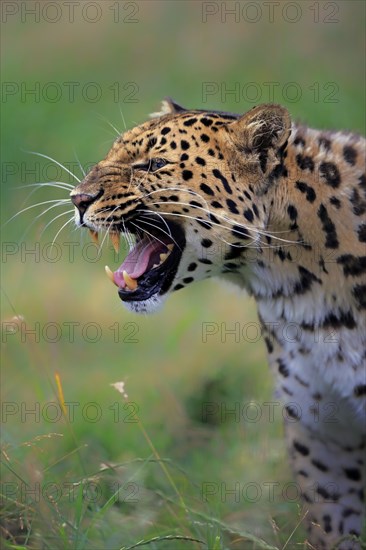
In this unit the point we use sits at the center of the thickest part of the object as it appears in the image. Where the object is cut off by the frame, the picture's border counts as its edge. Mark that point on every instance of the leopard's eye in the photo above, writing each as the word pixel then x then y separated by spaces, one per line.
pixel 152 165
pixel 155 164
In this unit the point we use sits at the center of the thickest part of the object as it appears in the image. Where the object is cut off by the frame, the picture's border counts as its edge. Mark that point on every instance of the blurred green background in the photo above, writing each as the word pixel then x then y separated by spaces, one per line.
pixel 73 74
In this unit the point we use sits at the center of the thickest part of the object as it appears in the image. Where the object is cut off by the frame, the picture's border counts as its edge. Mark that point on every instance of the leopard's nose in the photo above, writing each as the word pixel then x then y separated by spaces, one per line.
pixel 82 201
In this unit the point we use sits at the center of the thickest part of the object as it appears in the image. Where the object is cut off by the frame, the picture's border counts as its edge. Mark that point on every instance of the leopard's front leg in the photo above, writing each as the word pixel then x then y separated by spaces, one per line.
pixel 318 375
pixel 331 475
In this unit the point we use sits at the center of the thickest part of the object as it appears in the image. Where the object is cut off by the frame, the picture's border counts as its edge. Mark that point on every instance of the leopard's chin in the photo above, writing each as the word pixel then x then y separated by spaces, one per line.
pixel 147 273
pixel 151 305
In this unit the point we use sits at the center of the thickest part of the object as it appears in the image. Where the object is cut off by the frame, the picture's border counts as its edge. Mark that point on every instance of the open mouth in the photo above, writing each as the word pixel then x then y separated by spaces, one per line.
pixel 151 265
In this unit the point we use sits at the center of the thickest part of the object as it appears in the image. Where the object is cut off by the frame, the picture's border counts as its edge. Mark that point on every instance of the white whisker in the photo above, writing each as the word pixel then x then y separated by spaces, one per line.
pixel 59 231
pixel 161 230
pixel 47 210
pixel 151 235
pixel 123 118
pixel 129 238
pixel 59 201
pixel 107 230
pixel 159 216
pixel 38 217
pixel 248 228
pixel 55 161
pixel 59 184
pixel 80 165
pixel 212 223
pixel 142 181
pixel 55 218
pixel 225 218
pixel 180 190
pixel 101 117
pixel 103 241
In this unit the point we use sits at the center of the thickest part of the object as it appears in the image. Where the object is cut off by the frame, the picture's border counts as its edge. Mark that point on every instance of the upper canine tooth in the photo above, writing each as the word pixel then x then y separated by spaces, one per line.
pixel 170 246
pixel 110 275
pixel 94 235
pixel 130 283
pixel 115 240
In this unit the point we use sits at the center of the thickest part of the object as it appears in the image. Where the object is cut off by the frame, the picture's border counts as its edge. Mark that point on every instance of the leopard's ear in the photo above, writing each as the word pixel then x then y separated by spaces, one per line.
pixel 168 107
pixel 264 127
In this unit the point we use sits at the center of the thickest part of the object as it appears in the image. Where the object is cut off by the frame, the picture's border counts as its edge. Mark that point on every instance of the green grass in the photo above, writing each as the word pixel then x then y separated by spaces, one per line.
pixel 167 464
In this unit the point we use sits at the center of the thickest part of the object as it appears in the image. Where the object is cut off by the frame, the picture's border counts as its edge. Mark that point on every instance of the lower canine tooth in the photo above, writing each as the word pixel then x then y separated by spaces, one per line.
pixel 110 275
pixel 115 240
pixel 94 235
pixel 130 283
pixel 163 257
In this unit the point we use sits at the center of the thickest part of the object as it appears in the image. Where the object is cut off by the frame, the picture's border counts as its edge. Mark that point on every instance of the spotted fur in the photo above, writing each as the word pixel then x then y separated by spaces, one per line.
pixel 280 210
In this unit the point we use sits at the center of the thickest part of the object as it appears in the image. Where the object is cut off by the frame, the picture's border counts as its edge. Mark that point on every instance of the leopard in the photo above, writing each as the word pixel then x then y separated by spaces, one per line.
pixel 279 210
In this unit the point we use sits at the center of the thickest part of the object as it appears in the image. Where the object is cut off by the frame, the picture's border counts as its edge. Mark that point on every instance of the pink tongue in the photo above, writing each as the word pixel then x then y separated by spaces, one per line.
pixel 137 261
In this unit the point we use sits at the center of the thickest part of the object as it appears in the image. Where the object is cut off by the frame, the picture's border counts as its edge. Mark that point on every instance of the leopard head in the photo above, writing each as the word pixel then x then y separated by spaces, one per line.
pixel 190 190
